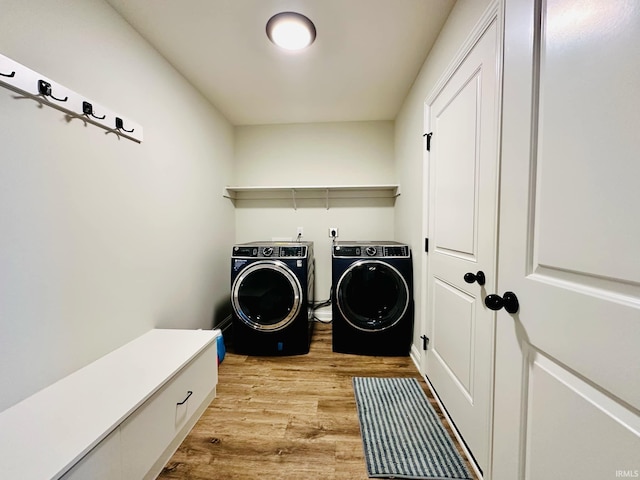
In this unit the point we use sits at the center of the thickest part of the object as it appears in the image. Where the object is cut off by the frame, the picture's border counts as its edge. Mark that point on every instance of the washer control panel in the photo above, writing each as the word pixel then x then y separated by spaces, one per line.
pixel 269 251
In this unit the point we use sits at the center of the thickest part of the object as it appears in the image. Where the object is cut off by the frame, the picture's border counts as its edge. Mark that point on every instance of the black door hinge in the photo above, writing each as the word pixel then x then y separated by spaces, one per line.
pixel 426 245
pixel 428 137
pixel 425 342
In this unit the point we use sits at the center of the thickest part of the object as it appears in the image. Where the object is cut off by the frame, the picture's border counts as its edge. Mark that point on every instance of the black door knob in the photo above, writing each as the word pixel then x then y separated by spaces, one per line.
pixel 509 301
pixel 478 277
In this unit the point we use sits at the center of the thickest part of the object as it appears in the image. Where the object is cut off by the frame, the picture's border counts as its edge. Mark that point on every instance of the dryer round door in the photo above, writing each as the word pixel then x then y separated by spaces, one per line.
pixel 372 295
pixel 267 295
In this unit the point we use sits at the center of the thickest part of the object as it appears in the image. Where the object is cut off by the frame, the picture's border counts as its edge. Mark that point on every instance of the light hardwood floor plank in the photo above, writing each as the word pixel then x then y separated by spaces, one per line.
pixel 285 418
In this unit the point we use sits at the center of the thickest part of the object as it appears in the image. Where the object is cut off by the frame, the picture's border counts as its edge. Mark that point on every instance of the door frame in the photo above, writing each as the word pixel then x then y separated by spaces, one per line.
pixel 493 13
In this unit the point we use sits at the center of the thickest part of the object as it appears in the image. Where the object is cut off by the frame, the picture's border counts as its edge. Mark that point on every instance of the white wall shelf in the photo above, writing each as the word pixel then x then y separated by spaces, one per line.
pixel 315 192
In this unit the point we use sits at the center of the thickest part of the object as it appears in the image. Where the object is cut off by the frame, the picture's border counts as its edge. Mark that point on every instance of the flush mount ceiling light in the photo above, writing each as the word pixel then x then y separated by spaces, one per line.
pixel 291 31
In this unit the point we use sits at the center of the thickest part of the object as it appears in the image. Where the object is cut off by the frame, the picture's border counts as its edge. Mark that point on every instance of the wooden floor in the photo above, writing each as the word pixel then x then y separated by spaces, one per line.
pixel 284 418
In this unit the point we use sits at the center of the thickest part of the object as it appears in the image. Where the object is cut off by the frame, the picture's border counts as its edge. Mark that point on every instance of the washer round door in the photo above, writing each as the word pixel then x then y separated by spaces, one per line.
pixel 266 295
pixel 372 295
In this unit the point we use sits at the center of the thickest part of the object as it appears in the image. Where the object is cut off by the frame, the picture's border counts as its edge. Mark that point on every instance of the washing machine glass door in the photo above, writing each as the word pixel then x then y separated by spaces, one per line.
pixel 372 295
pixel 266 295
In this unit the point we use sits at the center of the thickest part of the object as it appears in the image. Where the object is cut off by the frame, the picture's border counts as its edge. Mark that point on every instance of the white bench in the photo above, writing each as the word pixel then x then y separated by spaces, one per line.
pixel 120 417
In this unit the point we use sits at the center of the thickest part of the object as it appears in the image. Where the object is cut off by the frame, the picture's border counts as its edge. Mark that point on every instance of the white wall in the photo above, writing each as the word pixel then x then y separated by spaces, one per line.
pixel 102 238
pixel 409 143
pixel 344 153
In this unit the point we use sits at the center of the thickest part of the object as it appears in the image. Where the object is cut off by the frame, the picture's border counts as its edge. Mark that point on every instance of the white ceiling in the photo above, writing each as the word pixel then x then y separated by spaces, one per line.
pixel 365 58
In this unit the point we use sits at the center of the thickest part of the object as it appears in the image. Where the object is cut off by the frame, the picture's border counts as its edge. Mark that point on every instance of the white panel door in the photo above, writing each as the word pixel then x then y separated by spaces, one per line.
pixel 462 216
pixel 567 393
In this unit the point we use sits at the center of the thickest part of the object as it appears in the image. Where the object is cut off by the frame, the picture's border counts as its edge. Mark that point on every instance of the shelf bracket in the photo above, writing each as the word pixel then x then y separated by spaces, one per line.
pixel 327 198
pixel 293 197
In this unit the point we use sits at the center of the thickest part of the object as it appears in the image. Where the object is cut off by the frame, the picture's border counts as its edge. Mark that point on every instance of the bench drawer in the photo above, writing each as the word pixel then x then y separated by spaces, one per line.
pixel 147 433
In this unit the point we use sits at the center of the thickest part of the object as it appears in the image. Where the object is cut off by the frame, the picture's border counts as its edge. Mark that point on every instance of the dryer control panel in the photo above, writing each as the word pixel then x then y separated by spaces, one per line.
pixel 371 250
pixel 396 251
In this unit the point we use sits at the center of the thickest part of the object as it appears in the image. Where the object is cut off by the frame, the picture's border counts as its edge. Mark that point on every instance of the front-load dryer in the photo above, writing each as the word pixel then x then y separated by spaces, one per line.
pixel 372 287
pixel 272 297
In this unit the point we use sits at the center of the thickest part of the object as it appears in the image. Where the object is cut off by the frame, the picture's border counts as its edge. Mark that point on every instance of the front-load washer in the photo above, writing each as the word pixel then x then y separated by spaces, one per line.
pixel 272 297
pixel 372 287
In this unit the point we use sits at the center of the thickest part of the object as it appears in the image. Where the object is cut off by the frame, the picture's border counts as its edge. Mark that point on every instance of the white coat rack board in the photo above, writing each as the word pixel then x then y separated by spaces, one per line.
pixel 25 81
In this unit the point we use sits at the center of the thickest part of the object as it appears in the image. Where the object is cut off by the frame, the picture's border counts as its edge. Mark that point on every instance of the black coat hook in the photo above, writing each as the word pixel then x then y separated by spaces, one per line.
pixel 120 126
pixel 87 109
pixel 12 74
pixel 45 90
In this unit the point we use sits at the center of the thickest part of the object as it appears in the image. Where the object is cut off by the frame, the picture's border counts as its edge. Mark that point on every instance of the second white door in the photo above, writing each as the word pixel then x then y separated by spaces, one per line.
pixel 462 213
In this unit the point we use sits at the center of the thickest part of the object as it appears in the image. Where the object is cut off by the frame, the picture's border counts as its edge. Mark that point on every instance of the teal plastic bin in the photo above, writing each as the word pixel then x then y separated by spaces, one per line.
pixel 221 349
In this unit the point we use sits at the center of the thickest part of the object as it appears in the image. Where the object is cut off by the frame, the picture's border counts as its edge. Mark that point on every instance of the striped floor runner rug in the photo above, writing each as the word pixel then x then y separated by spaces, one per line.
pixel 401 433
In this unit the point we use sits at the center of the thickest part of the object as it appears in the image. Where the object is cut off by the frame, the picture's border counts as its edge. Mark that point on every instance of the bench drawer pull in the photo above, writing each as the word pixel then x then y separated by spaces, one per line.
pixel 189 393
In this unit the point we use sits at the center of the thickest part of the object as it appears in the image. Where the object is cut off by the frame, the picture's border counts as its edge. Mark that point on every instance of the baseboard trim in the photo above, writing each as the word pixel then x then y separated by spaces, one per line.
pixel 456 433
pixel 416 356
pixel 224 325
